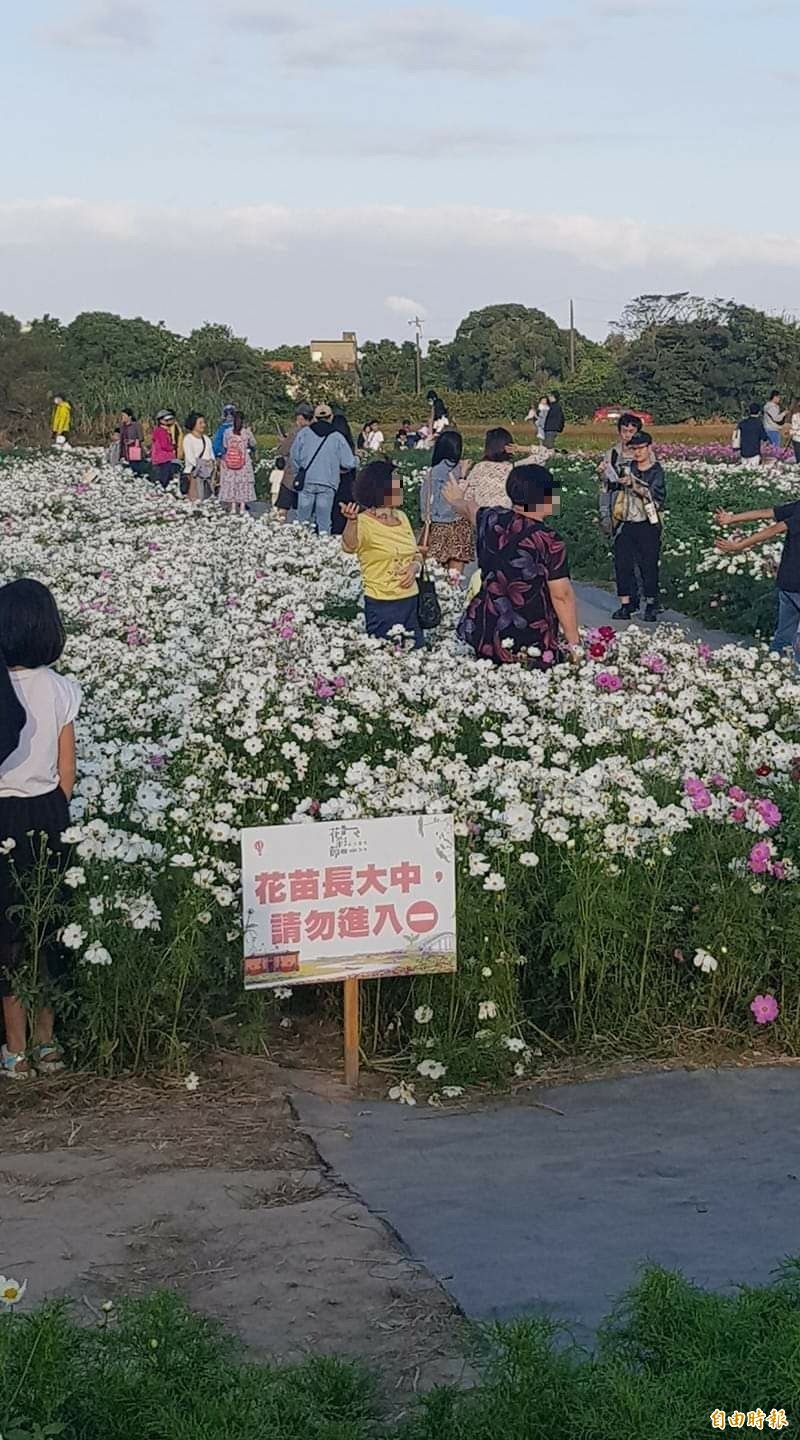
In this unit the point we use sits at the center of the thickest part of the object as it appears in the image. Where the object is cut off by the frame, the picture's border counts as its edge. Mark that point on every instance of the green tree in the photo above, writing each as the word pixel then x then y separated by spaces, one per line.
pixel 387 366
pixel 100 345
pixel 501 344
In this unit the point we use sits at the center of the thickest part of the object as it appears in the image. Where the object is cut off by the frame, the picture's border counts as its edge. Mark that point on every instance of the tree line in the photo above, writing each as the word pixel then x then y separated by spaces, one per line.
pixel 679 356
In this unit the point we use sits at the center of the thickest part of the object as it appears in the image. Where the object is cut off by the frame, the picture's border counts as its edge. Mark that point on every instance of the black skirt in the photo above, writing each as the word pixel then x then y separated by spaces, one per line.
pixel 35 823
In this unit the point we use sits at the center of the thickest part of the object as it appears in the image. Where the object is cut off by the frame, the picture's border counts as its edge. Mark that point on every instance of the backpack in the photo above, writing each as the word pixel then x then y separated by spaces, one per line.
pixel 235 452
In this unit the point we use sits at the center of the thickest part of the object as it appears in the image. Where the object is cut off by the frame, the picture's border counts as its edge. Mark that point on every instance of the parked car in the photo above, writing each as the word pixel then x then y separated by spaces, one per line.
pixel 613 412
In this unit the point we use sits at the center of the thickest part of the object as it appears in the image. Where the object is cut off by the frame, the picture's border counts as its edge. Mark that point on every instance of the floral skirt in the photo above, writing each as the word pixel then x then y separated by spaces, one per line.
pixel 452 540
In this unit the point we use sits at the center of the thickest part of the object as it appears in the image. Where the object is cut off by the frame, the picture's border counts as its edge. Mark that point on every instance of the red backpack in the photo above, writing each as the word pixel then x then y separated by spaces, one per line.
pixel 235 452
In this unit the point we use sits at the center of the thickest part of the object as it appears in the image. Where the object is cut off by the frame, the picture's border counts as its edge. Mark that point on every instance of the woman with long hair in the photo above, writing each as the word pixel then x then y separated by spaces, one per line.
pixel 237 481
pixel 486 483
pixel 446 536
pixel 344 494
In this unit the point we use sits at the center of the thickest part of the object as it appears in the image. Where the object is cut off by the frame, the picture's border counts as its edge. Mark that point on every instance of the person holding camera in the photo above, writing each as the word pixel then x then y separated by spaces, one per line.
pixel 638 495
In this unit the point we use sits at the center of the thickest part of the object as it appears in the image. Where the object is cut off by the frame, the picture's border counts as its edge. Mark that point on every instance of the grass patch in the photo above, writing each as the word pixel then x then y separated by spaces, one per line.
pixel 669 1357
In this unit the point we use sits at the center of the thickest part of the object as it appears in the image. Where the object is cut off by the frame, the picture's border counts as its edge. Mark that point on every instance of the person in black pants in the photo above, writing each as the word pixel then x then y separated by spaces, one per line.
pixel 553 420
pixel 640 497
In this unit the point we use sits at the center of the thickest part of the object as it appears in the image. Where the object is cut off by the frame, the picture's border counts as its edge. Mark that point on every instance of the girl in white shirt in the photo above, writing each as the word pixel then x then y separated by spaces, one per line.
pixel 36 782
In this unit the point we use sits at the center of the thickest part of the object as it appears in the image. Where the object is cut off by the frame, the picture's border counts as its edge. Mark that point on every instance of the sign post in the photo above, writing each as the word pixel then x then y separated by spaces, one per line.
pixel 352 1033
pixel 348 900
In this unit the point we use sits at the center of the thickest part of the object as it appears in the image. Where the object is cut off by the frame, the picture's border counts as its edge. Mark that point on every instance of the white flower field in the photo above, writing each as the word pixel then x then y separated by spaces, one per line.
pixel 617 819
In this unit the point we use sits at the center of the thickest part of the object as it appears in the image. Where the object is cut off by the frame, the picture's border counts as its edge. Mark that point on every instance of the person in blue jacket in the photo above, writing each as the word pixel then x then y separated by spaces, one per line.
pixel 225 424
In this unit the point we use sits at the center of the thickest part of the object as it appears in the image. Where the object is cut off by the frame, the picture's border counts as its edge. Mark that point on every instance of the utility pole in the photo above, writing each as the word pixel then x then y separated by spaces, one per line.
pixel 571 338
pixel 417 323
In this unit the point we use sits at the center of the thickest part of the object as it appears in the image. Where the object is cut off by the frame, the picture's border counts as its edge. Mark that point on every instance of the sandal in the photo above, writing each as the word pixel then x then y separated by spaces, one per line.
pixel 48 1059
pixel 14 1066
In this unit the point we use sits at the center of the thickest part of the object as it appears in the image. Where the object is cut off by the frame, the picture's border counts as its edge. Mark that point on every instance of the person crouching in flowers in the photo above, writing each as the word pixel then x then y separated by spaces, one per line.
pixel 525 591
pixel 36 781
pixel 380 535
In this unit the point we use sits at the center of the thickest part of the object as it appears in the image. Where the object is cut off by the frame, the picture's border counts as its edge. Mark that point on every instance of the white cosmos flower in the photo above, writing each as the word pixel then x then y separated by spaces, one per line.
pixel 72 936
pixel 75 876
pixel 529 858
pixel 192 1081
pixel 452 1092
pixel 431 1069
pixel 705 962
pixel 423 1014
pixel 487 1010
pixel 11 1291
pixel 96 954
pixel 494 882
pixel 404 1093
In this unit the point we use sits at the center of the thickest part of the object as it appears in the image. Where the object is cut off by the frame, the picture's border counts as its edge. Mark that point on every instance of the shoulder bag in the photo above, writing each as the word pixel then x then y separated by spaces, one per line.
pixel 300 475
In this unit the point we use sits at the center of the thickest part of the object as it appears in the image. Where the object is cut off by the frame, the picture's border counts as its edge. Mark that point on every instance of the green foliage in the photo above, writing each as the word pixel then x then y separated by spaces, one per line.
pixel 669 1357
pixel 160 1373
pixel 501 344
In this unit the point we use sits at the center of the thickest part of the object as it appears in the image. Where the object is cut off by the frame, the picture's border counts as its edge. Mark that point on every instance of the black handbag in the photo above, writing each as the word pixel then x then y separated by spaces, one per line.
pixel 429 611
pixel 300 475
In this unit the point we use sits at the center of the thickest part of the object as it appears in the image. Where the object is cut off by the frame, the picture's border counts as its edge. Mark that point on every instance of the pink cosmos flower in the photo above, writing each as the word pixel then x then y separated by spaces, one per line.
pixel 779 870
pixel 704 651
pixel 760 858
pixel 737 793
pixel 718 781
pixel 547 657
pixel 765 1008
pixel 606 681
pixel 769 812
pixel 597 649
pixel 156 761
pixel 738 814
pixel 656 664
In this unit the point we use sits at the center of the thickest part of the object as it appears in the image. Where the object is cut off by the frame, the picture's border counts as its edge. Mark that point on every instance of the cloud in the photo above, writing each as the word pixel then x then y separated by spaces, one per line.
pixel 403 306
pixel 401 36
pixel 104 24
pixel 326 134
pixel 391 233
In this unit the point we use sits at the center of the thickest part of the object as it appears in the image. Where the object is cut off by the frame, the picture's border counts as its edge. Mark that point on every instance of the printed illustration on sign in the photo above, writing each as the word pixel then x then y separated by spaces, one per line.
pixel 348 899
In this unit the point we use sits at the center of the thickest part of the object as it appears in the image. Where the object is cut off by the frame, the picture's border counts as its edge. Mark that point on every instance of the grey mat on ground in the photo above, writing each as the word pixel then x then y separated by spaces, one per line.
pixel 518 1209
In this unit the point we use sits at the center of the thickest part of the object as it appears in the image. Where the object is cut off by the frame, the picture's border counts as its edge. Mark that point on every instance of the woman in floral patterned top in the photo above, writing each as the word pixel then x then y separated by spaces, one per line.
pixel 525 593
pixel 486 482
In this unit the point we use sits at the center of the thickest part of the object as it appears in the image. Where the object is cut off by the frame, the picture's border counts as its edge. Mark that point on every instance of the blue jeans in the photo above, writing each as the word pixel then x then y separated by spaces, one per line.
pixel 315 506
pixel 382 615
pixel 787 631
pixel 774 437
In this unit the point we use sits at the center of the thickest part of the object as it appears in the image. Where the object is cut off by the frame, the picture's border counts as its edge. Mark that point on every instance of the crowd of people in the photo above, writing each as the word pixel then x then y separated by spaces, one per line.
pixel 492 514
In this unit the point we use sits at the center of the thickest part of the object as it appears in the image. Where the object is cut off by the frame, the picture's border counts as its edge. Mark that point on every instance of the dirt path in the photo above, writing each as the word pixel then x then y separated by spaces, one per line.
pixel 116 1188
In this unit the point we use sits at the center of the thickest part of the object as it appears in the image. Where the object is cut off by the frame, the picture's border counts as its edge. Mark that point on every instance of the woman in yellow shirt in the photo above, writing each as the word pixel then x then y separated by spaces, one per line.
pixel 380 535
pixel 60 420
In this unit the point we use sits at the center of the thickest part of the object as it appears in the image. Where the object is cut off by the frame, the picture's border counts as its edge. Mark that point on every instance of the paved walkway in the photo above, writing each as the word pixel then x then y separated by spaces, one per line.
pixel 522 1209
pixel 596 606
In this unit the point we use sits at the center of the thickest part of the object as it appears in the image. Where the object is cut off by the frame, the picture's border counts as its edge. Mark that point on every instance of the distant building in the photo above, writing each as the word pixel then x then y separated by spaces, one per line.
pixel 336 354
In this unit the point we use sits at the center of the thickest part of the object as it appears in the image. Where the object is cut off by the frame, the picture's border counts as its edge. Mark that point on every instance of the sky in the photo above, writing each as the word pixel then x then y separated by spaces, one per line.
pixel 295 169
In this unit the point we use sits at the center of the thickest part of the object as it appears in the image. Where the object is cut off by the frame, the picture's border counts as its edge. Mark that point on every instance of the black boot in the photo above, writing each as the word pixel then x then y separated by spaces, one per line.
pixel 651 610
pixel 624 613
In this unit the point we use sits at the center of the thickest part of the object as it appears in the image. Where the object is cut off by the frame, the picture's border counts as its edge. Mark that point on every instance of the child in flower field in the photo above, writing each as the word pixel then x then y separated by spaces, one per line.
pixel 36 782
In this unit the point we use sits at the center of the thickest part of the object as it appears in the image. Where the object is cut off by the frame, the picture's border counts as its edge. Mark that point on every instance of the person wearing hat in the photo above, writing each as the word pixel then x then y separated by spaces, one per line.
pixel 221 432
pixel 319 454
pixel 163 450
pixel 638 498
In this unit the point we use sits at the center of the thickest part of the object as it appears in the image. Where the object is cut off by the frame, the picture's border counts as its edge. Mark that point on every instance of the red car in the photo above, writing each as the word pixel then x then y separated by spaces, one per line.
pixel 613 412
